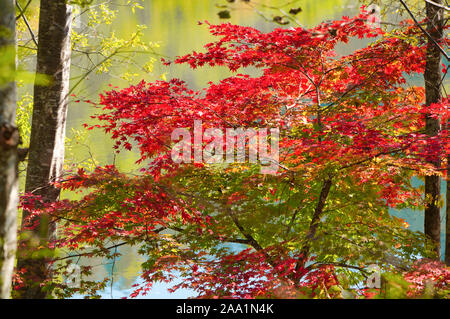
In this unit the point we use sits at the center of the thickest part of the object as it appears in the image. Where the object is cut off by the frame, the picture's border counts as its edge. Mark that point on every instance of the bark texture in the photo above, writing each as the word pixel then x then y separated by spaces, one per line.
pixel 447 216
pixel 46 153
pixel 432 77
pixel 9 139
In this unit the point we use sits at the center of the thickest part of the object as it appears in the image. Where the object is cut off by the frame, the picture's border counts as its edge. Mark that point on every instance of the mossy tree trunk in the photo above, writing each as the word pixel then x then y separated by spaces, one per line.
pixel 46 153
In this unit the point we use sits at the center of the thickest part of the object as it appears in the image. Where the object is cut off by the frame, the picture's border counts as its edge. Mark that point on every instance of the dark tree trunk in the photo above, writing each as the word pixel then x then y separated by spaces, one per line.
pixel 432 77
pixel 9 138
pixel 314 224
pixel 447 216
pixel 46 153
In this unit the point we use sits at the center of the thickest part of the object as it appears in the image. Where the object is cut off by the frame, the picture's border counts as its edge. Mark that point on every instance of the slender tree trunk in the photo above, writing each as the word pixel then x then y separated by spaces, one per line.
pixel 9 139
pixel 310 236
pixel 46 153
pixel 432 77
pixel 447 216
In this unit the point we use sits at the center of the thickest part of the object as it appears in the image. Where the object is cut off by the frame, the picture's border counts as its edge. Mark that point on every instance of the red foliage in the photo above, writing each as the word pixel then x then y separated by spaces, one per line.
pixel 341 117
pixel 428 272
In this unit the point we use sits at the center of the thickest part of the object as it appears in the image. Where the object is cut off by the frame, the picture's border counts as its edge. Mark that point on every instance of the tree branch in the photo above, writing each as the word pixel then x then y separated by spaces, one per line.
pixel 310 236
pixel 425 31
pixel 22 14
pixel 438 5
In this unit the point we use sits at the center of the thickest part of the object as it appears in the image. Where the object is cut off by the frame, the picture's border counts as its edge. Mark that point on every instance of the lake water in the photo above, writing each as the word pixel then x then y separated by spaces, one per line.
pixel 173 23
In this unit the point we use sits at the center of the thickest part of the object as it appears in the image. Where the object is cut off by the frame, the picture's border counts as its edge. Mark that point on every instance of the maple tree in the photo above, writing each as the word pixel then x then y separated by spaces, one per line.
pixel 351 139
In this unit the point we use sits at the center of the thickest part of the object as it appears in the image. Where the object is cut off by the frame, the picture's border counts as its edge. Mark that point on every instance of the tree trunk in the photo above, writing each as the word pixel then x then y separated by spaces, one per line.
pixel 9 139
pixel 46 153
pixel 432 77
pixel 314 224
pixel 447 215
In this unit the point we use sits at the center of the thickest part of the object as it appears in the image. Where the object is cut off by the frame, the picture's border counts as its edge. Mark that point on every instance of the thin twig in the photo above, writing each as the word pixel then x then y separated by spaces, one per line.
pixel 438 5
pixel 425 31
pixel 23 11
pixel 22 14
